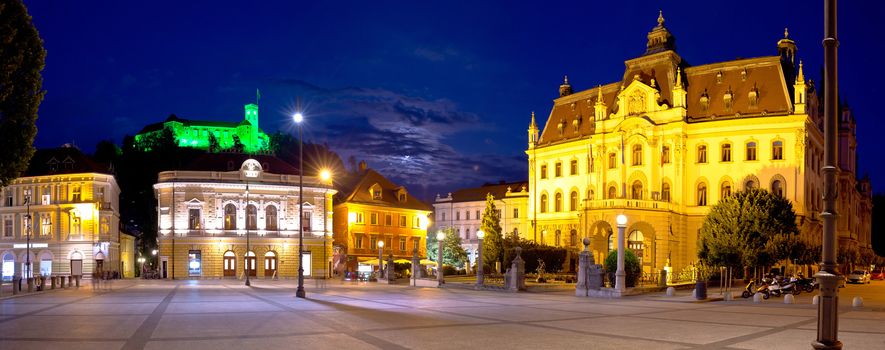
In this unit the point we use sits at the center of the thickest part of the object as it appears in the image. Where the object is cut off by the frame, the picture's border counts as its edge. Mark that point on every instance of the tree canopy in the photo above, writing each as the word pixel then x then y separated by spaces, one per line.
pixel 453 253
pixel 21 88
pixel 493 243
pixel 749 228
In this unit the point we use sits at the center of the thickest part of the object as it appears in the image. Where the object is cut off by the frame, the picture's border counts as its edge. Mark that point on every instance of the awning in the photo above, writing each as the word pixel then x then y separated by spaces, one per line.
pixel 402 261
pixel 428 262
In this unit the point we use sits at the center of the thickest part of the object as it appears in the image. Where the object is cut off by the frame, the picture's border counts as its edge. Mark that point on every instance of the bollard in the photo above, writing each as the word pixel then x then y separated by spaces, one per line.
pixel 815 300
pixel 857 302
pixel 694 293
pixel 77 280
pixel 53 281
pixel 728 296
pixel 30 284
pixel 788 299
pixel 70 282
pixel 16 285
pixel 757 298
pixel 671 291
pixel 42 282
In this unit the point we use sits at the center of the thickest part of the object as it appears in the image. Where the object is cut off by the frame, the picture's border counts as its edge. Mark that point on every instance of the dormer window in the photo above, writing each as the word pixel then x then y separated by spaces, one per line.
pixel 728 98
pixel 705 100
pixel 753 96
pixel 68 163
pixel 577 123
pixel 719 77
pixel 375 191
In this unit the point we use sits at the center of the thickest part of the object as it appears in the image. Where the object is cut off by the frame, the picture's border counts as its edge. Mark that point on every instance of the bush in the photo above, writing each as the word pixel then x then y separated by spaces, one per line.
pixel 553 257
pixel 449 270
pixel 631 266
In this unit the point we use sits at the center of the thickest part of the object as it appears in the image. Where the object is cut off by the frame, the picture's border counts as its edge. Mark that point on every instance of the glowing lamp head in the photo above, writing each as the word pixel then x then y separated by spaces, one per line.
pixel 380 244
pixel 351 217
pixel 298 117
pixel 325 175
pixel 480 234
pixel 440 236
pixel 154 252
pixel 424 222
pixel 621 220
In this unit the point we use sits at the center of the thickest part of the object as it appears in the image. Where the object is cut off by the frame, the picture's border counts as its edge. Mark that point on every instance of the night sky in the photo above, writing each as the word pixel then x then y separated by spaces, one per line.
pixel 435 95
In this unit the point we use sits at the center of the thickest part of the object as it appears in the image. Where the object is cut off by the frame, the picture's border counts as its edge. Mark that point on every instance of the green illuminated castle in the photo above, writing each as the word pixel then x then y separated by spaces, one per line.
pixel 209 135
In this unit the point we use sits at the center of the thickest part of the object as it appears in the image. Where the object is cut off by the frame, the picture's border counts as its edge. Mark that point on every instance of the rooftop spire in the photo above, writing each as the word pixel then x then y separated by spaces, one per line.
pixel 659 38
pixel 660 18
pixel 565 89
pixel 786 33
pixel 801 76
pixel 679 76
pixel 599 98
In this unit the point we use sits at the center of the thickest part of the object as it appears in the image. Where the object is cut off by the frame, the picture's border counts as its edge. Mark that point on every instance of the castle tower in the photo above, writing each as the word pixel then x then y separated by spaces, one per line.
pixel 252 114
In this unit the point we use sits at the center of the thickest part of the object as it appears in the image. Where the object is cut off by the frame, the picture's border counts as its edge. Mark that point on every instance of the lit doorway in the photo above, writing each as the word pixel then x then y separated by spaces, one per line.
pixel 270 264
pixel 230 264
pixel 250 264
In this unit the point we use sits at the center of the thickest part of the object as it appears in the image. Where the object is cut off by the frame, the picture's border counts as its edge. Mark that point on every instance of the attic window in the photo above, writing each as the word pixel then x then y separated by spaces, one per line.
pixel 728 98
pixel 68 163
pixel 753 96
pixel 719 77
pixel 744 75
pixel 577 123
pixel 402 197
pixel 705 100
pixel 560 126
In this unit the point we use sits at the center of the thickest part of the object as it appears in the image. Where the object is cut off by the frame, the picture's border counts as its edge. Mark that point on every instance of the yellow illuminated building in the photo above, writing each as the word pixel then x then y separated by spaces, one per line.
pixel 74 206
pixel 234 214
pixel 671 139
pixel 373 209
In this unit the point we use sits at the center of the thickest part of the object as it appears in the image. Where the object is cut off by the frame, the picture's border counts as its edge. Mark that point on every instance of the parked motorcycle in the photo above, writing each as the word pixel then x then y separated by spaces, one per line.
pixel 783 287
pixel 806 284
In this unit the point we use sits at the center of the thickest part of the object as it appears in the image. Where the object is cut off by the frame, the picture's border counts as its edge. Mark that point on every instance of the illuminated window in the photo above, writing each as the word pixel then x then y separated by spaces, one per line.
pixel 557 202
pixel 726 190
pixel 230 217
pixel 751 151
pixel 702 194
pixel 45 225
pixel 573 201
pixel 665 155
pixel 558 171
pixel 544 171
pixel 702 154
pixel 543 203
pixel 270 218
pixel 573 167
pixel 193 219
pixel 637 190
pixel 637 155
pixel 359 218
pixel 726 152
pixel 665 192
pixel 612 160
pixel 777 150
pixel 75 193
pixel 251 217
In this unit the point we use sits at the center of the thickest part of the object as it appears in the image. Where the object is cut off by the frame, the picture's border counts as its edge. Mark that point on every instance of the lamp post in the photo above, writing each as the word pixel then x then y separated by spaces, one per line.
pixel 440 237
pixel 248 247
pixel 479 277
pixel 28 233
pixel 380 257
pixel 828 276
pixel 620 275
pixel 298 118
pixel 326 176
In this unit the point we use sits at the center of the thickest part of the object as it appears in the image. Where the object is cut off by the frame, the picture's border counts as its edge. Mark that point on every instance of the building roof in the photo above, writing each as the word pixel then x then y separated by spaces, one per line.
pixel 356 188
pixel 233 161
pixel 498 190
pixel 64 160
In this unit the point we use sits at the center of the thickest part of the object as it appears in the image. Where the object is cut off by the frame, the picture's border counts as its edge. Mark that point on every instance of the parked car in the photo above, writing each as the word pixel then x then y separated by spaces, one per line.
pixel 859 276
pixel 878 275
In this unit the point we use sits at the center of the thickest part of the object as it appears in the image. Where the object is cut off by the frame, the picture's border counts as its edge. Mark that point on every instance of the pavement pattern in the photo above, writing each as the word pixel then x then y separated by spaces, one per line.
pixel 219 314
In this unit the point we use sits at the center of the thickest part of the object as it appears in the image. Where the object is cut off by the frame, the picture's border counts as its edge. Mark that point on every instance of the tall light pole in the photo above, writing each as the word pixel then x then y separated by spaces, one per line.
pixel 298 118
pixel 479 277
pixel 248 247
pixel 440 237
pixel 380 256
pixel 326 176
pixel 620 275
pixel 28 233
pixel 828 276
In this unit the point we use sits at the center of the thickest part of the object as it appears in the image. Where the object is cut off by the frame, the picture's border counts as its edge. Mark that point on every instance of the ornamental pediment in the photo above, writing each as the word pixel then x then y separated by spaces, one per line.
pixel 638 98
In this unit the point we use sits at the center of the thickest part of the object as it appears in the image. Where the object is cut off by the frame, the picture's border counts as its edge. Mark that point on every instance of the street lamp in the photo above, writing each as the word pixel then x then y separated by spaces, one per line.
pixel 28 233
pixel 620 275
pixel 298 118
pixel 380 256
pixel 248 247
pixel 479 277
pixel 440 237
pixel 326 176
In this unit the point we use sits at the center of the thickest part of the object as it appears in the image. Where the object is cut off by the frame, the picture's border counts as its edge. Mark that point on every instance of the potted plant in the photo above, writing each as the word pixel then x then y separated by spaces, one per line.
pixel 702 274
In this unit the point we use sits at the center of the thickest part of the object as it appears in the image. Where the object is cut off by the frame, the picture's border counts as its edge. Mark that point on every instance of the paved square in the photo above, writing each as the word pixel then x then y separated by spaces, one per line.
pixel 216 314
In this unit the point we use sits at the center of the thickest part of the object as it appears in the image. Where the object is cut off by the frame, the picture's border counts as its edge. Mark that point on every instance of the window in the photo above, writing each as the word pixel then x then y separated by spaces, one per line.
pixel 702 194
pixel 8 198
pixel 612 192
pixel 777 150
pixel 402 220
pixel 557 202
pixel 612 160
pixel 726 152
pixel 477 215
pixel 544 171
pixel 75 226
pixel 75 193
pixel 373 218
pixel 7 228
pixel 543 203
pixel 45 225
pixel 750 184
pixel 591 167
pixel 777 187
pixel 376 193
pixel 416 244
pixel 637 190
pixel 193 219
pixel 416 222
pixel 665 192
pixel 702 154
pixel 270 218
pixel 467 234
pixel 388 219
pixel 573 201
pixel 665 155
pixel 726 190
pixel 360 219
pixel 443 216
pixel 457 215
pixel 230 217
pixel 305 222
pixel 558 238
pixel 402 244
pixel 751 151
pixel 467 215
pixel 359 242
pixel 573 167
pixel 637 155
pixel 558 171
pixel 516 213
pixel 251 217
pixel 373 242
pixel 402 197
pixel 590 194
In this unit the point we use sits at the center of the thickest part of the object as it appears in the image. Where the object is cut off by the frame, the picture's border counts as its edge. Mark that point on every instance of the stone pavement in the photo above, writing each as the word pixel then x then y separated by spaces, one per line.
pixel 192 315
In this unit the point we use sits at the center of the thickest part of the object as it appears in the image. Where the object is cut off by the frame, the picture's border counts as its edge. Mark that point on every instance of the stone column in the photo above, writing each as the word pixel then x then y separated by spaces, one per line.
pixel 391 272
pixel 30 284
pixel 517 270
pixel 620 275
pixel 416 268
pixel 585 260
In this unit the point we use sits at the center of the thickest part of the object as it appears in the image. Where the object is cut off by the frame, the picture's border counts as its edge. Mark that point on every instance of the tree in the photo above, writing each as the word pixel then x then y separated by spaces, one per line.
pixel 749 228
pixel 453 253
pixel 632 267
pixel 214 146
pixel 106 152
pixel 493 243
pixel 21 60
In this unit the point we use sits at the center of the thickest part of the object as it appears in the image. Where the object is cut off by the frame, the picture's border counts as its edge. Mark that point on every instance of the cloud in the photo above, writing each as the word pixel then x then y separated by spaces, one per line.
pixel 409 139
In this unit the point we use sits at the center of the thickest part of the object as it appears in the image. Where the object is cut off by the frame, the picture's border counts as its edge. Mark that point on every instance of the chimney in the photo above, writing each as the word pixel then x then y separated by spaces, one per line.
pixel 363 166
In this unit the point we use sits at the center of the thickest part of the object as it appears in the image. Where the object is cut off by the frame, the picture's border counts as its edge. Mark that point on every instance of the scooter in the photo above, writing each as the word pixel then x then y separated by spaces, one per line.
pixel 779 288
pixel 749 290
pixel 806 284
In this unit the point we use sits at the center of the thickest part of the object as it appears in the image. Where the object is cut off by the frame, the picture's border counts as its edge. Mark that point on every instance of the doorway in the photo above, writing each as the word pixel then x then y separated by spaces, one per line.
pixel 76 264
pixel 249 264
pixel 230 264
pixel 270 264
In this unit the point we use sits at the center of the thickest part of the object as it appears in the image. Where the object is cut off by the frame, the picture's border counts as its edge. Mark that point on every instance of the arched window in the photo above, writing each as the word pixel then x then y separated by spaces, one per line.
pixel 637 190
pixel 612 192
pixel 573 201
pixel 665 192
pixel 726 189
pixel 635 244
pixel 750 184
pixel 573 238
pixel 612 160
pixel 558 169
pixel 230 217
pixel 702 154
pixel 665 155
pixel 637 154
pixel 544 203
pixel 590 195
pixel 777 150
pixel 270 218
pixel 702 194
pixel 558 241
pixel 777 187
pixel 611 241
pixel 751 151
pixel 557 202
pixel 251 217
pixel 726 152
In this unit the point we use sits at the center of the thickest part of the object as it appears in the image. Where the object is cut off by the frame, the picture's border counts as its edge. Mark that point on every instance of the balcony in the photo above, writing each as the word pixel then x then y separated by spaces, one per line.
pixel 621 203
pixel 231 233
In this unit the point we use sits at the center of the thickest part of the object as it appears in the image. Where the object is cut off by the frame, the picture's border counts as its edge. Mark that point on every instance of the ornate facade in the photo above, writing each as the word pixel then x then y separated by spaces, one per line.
pixel 670 139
